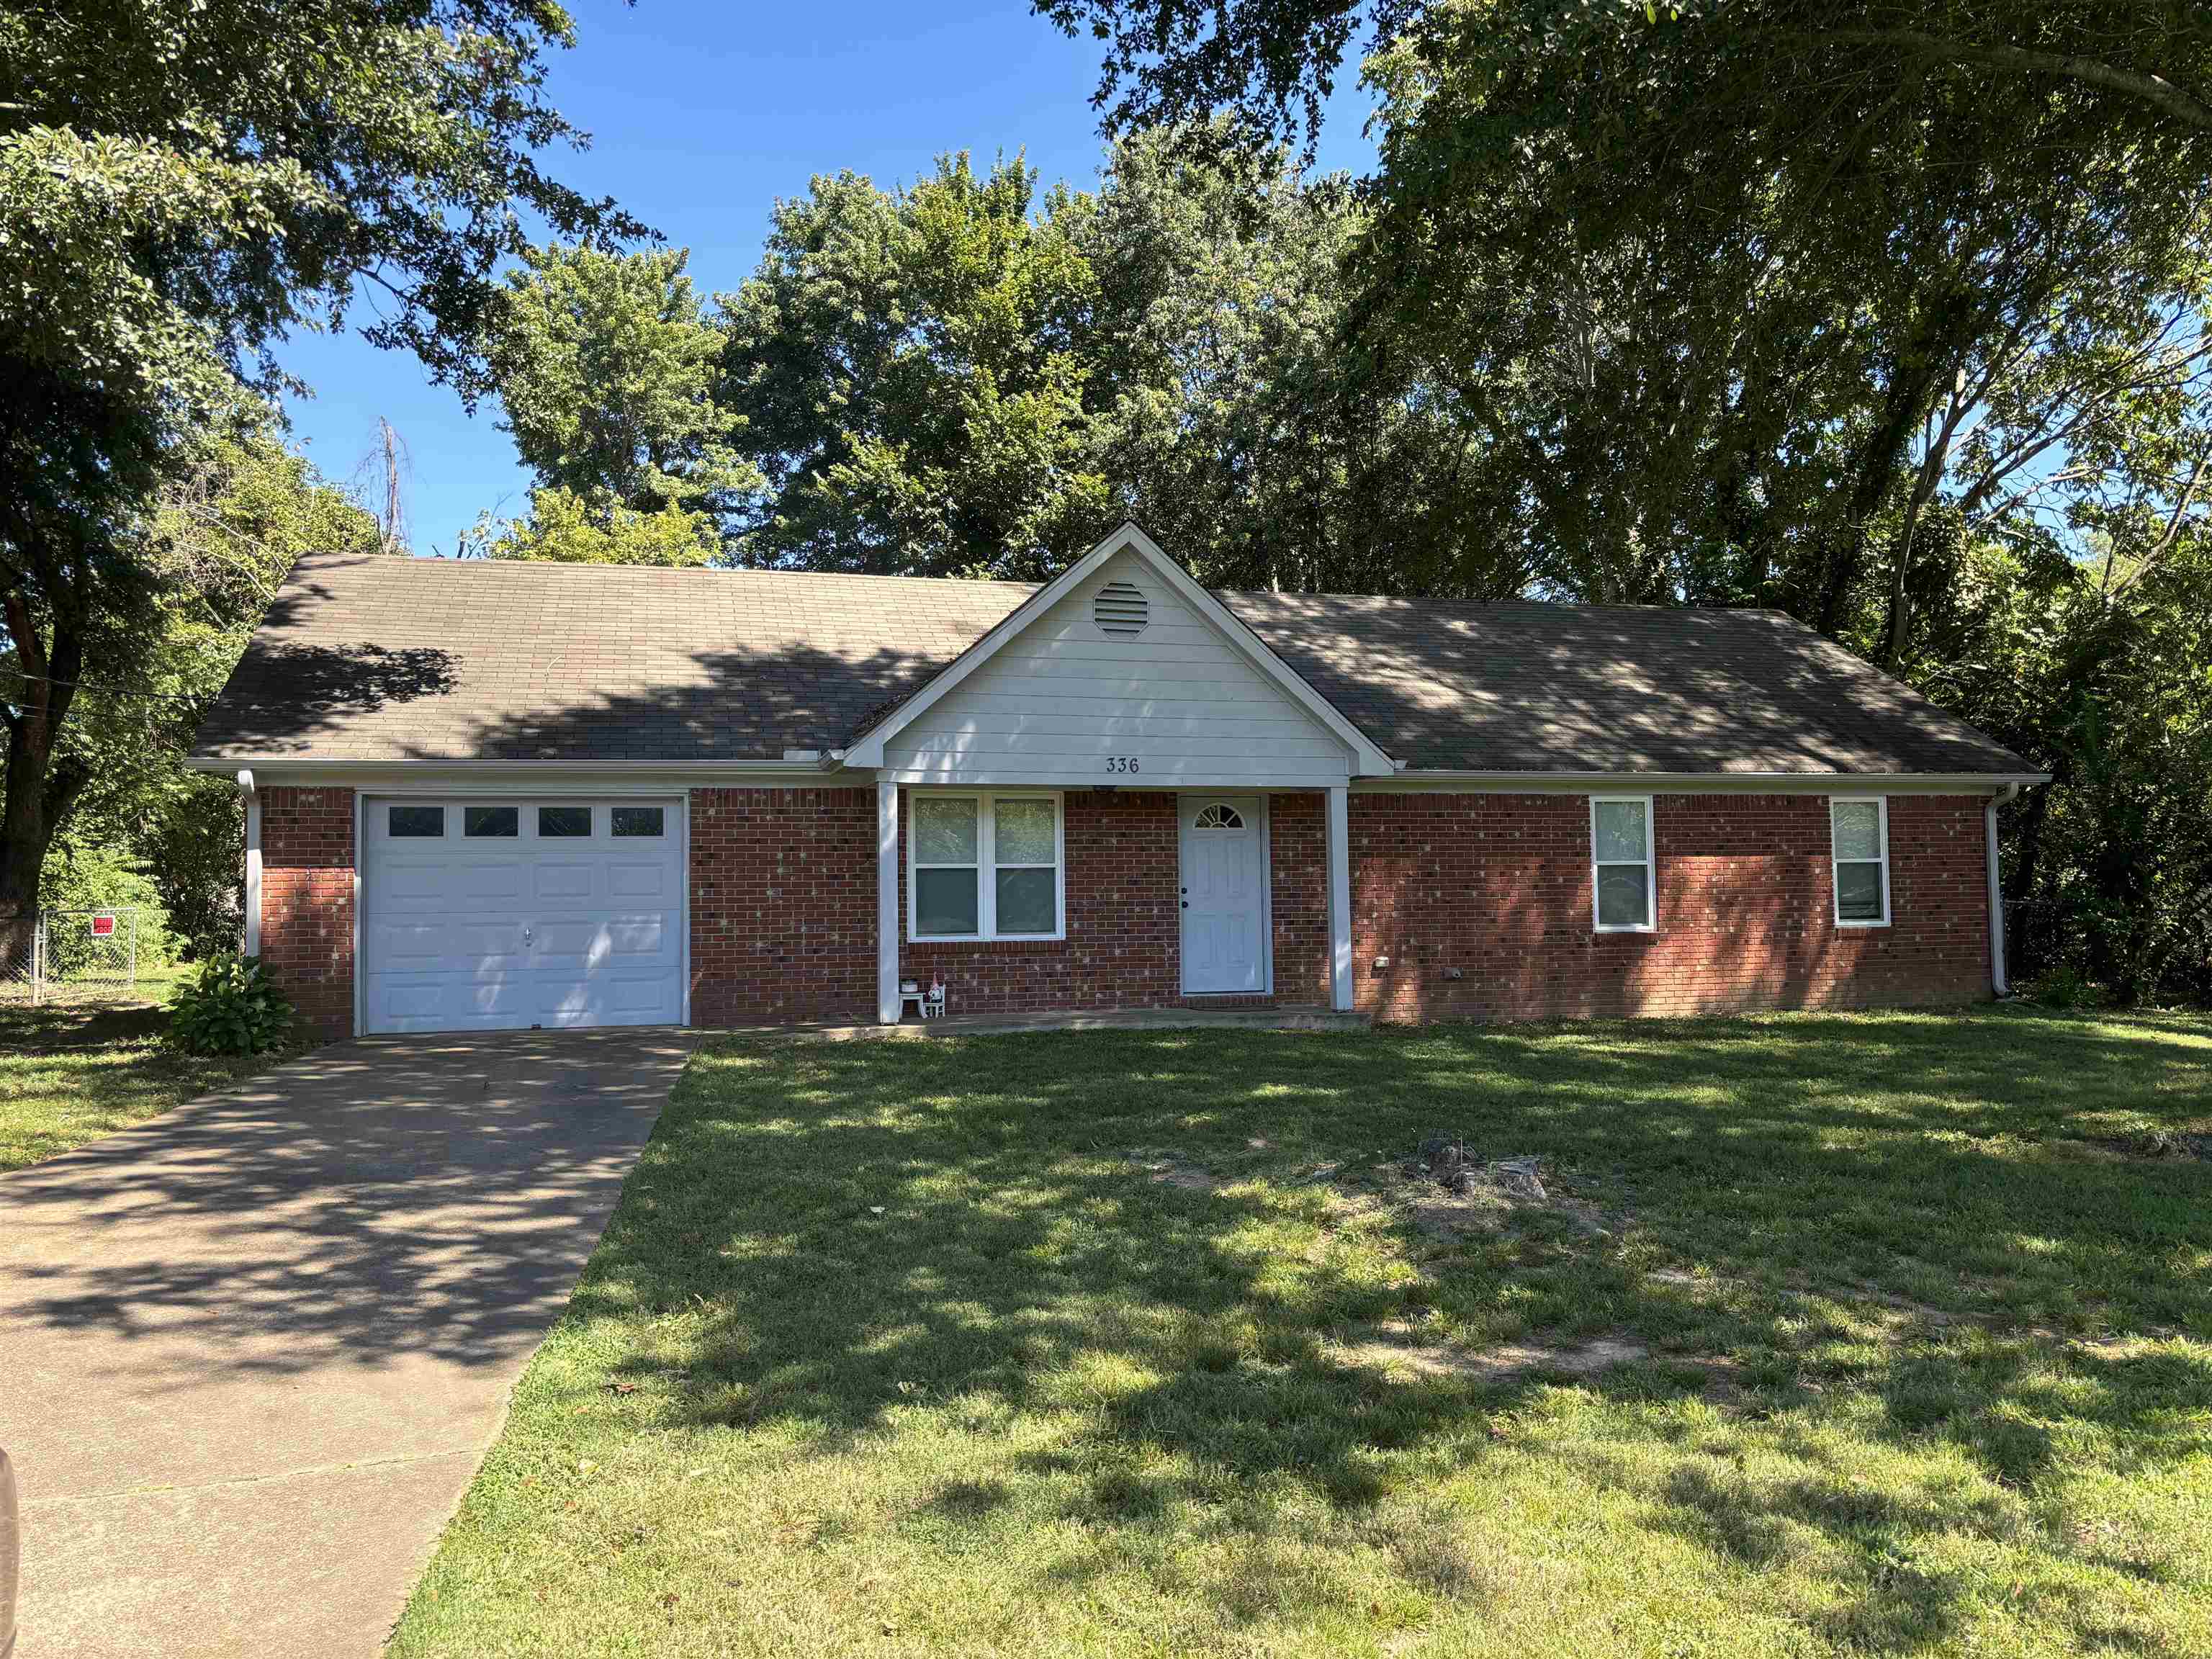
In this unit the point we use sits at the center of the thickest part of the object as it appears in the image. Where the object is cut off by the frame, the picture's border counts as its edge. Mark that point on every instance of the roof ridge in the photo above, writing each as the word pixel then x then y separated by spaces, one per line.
pixel 413 561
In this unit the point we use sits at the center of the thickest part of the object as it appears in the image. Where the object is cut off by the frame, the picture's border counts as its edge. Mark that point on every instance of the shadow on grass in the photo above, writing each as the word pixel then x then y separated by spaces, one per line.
pixel 61 1029
pixel 1909 1211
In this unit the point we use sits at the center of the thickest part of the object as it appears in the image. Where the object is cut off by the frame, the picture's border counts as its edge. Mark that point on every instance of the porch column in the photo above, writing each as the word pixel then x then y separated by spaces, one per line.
pixel 251 945
pixel 1339 898
pixel 887 921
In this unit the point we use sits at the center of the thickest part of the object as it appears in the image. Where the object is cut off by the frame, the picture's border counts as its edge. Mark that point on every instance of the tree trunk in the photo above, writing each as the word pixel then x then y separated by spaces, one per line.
pixel 24 837
pixel 1899 625
pixel 1876 469
pixel 39 791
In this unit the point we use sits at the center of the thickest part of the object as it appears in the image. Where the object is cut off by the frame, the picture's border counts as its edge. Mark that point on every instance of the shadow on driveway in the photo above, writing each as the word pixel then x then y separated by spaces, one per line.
pixel 256 1346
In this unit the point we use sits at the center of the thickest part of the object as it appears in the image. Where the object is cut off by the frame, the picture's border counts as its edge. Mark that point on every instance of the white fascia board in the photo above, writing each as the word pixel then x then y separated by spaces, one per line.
pixel 262 764
pixel 1367 757
pixel 1165 783
pixel 604 777
pixel 1418 781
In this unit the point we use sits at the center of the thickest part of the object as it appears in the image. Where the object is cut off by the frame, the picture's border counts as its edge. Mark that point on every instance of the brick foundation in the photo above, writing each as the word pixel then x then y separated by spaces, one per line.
pixel 1499 888
pixel 307 902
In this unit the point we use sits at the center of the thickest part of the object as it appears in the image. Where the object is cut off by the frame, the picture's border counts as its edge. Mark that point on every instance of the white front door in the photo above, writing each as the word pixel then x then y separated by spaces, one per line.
pixel 503 914
pixel 1224 887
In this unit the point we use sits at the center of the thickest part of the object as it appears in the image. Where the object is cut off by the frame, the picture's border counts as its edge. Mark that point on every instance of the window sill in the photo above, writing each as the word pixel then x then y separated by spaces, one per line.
pixel 986 938
pixel 1841 922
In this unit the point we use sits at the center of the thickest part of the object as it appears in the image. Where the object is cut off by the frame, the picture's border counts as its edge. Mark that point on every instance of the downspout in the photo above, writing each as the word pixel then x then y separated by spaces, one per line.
pixel 252 905
pixel 1997 984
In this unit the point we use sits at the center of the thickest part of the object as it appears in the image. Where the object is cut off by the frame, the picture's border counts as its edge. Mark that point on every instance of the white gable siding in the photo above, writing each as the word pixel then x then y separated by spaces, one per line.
pixel 1062 698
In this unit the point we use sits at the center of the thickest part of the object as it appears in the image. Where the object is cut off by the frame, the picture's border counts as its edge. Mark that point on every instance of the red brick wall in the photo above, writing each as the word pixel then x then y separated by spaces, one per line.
pixel 307 902
pixel 783 905
pixel 1123 947
pixel 1499 887
pixel 1298 849
pixel 783 884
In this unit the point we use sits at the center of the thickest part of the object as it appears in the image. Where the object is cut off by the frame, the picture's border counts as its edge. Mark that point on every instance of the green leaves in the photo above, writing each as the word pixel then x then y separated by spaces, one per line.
pixel 182 184
pixel 606 366
pixel 564 527
pixel 230 1007
pixel 910 371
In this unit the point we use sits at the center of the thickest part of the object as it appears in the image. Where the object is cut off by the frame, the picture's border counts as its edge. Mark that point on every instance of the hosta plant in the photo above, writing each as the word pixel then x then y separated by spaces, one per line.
pixel 229 1008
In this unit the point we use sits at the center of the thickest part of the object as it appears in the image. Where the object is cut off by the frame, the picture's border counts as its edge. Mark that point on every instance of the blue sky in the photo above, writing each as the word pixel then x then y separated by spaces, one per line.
pixel 702 115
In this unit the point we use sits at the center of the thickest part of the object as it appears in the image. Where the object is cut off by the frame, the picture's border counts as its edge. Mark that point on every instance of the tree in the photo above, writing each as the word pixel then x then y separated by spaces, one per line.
pixel 1230 417
pixel 567 528
pixel 1274 62
pixel 907 366
pixel 958 380
pixel 605 364
pixel 235 511
pixel 179 184
pixel 1788 273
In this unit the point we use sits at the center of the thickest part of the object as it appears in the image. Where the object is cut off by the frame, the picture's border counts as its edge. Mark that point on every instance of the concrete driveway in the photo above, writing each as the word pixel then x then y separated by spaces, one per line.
pixel 251 1352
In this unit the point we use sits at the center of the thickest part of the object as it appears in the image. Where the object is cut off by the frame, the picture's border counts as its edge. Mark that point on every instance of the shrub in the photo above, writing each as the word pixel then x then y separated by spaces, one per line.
pixel 229 1008
pixel 81 876
pixel 2064 986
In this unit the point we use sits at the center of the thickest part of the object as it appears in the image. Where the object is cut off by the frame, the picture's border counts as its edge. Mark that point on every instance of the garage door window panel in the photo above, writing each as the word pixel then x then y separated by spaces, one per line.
pixel 639 822
pixel 414 823
pixel 491 822
pixel 563 823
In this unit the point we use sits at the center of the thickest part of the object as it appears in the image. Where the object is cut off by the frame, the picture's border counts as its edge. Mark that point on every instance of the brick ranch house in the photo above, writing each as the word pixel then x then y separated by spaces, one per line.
pixel 489 795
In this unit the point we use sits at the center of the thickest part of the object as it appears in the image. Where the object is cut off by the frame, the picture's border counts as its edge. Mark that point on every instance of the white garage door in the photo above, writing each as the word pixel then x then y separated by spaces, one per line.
pixel 483 914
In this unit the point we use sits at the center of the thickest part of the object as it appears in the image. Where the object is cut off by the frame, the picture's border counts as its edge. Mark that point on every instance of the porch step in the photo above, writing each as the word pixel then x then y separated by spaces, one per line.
pixel 1284 1017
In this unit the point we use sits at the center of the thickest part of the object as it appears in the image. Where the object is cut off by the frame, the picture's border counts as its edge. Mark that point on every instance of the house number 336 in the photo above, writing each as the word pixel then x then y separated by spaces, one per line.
pixel 1122 763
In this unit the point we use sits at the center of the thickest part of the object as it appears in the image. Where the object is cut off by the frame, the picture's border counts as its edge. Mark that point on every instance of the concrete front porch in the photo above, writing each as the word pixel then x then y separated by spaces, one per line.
pixel 1281 1017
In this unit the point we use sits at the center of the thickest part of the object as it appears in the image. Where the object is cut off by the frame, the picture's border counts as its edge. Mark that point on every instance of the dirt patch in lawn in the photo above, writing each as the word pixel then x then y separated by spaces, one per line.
pixel 2158 1144
pixel 1399 1346
pixel 1482 1200
pixel 1168 1170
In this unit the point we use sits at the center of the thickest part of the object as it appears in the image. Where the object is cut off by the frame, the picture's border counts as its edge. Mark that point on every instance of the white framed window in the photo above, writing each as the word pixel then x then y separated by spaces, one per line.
pixel 1858 844
pixel 1623 893
pixel 985 864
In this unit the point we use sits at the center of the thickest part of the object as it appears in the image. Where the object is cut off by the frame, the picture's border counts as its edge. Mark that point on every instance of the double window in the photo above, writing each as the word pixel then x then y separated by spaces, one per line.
pixel 984 866
pixel 1621 863
pixel 1858 840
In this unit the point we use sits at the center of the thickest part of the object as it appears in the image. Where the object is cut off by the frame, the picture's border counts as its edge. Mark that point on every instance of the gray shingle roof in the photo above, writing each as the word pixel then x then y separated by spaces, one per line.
pixel 380 660
pixel 1537 688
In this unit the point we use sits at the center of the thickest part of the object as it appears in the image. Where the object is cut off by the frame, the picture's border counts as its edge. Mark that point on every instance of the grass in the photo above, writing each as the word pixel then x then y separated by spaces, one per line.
pixel 71 1074
pixel 910 1348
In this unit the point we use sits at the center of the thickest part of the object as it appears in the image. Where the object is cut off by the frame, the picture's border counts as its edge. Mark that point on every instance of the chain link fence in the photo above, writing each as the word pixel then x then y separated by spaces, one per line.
pixel 84 955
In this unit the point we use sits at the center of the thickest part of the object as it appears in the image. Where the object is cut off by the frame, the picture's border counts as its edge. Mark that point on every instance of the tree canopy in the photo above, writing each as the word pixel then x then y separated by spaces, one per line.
pixel 181 183
pixel 606 366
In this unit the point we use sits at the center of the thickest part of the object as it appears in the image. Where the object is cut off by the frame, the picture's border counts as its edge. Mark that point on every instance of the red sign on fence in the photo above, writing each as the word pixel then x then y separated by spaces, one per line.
pixel 103 923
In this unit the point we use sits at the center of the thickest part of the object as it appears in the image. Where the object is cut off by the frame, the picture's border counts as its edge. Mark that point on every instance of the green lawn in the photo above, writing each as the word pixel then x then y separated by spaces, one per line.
pixel 72 1074
pixel 1071 1344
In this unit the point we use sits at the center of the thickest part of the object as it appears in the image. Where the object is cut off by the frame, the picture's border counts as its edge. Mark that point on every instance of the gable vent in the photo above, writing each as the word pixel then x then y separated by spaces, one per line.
pixel 1121 608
